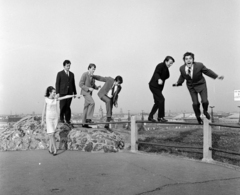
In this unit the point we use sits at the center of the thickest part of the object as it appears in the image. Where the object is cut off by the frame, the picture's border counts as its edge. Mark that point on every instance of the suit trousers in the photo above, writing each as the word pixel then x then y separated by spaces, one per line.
pixel 194 95
pixel 196 104
pixel 88 109
pixel 109 105
pixel 65 110
pixel 159 102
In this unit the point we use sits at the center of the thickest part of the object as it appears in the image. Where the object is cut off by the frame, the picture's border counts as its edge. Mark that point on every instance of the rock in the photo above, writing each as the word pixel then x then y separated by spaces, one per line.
pixel 27 134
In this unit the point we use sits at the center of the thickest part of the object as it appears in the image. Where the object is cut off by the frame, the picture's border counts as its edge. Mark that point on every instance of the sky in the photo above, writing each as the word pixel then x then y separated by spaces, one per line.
pixel 122 37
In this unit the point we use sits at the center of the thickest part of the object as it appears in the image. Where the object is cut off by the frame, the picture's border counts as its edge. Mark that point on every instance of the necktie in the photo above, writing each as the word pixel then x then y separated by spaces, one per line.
pixel 189 71
pixel 113 90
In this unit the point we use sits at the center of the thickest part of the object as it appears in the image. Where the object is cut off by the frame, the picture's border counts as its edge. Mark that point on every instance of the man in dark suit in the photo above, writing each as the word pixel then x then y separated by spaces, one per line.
pixel 109 93
pixel 156 85
pixel 65 85
pixel 193 72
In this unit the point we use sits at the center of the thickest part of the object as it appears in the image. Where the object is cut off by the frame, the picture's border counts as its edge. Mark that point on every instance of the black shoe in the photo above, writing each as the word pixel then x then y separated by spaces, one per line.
pixel 86 126
pixel 70 124
pixel 89 121
pixel 200 122
pixel 207 115
pixel 162 120
pixel 107 128
pixel 109 119
pixel 50 152
pixel 61 121
pixel 152 120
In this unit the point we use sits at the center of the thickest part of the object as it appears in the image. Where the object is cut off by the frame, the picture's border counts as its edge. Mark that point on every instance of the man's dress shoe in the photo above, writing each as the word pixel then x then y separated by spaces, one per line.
pixel 152 120
pixel 86 126
pixel 162 120
pixel 207 115
pixel 200 122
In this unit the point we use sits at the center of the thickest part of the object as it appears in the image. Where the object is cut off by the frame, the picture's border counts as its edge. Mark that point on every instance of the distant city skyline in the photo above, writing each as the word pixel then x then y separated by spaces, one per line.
pixel 127 38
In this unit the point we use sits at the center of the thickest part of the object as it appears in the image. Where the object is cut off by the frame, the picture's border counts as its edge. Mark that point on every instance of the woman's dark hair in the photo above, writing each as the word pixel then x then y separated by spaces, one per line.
pixel 49 90
pixel 188 54
pixel 169 58
pixel 119 79
pixel 66 62
pixel 91 65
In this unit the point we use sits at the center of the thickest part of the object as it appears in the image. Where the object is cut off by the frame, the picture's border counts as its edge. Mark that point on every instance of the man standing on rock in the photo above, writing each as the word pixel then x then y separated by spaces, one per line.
pixel 65 85
pixel 193 72
pixel 109 93
pixel 87 85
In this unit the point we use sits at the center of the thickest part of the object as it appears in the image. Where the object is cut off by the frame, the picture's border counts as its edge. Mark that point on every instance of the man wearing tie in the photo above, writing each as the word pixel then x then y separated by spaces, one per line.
pixel 87 85
pixel 109 93
pixel 65 85
pixel 193 72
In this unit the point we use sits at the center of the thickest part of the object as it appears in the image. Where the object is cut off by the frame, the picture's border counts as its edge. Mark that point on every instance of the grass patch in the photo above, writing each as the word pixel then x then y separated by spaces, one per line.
pixel 225 139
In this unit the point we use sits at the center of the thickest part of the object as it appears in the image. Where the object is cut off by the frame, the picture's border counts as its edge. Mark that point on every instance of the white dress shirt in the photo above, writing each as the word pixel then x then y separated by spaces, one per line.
pixel 186 70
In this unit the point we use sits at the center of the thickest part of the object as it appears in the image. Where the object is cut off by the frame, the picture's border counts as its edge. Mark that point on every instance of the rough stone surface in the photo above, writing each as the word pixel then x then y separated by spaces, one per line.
pixel 27 134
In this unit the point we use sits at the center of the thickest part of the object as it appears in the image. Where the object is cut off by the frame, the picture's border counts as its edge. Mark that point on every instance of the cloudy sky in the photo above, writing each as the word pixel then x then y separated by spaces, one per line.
pixel 122 37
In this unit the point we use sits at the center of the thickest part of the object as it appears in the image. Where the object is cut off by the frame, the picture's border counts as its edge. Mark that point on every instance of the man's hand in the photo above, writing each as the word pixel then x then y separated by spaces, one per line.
pixel 116 105
pixel 176 85
pixel 160 82
pixel 99 87
pixel 220 77
pixel 90 89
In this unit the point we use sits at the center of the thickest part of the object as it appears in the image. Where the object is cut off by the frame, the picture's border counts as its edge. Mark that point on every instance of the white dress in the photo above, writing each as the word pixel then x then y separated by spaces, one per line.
pixel 51 115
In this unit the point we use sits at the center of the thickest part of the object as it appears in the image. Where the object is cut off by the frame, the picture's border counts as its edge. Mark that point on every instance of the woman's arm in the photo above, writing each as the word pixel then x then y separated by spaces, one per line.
pixel 43 113
pixel 67 96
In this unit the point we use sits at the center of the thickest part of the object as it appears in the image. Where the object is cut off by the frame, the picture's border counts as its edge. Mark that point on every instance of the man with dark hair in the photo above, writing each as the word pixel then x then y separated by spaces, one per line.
pixel 109 93
pixel 87 85
pixel 193 72
pixel 65 85
pixel 156 86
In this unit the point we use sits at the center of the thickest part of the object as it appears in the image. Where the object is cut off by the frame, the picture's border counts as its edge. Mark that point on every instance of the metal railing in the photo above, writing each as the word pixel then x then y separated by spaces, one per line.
pixel 207 138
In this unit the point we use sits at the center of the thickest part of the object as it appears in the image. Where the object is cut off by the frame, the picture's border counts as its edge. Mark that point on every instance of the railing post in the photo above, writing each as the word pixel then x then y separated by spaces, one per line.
pixel 207 141
pixel 134 135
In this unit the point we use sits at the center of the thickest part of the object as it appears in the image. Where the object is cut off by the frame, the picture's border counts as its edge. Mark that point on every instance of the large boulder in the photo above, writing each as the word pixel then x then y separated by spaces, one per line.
pixel 27 134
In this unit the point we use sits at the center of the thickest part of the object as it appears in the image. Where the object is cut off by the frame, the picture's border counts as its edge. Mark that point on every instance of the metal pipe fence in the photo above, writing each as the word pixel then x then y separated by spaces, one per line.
pixel 207 136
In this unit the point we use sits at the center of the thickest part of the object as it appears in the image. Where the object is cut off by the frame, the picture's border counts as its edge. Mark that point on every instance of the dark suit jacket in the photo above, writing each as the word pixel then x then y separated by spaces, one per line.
pixel 197 82
pixel 107 86
pixel 65 84
pixel 161 72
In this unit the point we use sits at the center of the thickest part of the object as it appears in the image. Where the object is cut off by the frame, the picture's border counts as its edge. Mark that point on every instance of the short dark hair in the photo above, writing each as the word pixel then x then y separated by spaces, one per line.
pixel 91 65
pixel 49 90
pixel 188 54
pixel 119 79
pixel 168 58
pixel 66 62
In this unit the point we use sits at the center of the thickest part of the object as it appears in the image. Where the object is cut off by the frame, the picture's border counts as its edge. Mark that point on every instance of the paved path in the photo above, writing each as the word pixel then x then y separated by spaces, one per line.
pixel 123 173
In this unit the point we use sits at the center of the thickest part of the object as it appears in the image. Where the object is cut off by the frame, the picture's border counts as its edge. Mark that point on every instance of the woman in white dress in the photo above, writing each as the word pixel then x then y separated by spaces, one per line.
pixel 51 111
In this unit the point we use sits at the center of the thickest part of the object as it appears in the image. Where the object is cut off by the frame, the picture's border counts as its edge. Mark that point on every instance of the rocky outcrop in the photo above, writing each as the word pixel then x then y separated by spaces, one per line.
pixel 27 134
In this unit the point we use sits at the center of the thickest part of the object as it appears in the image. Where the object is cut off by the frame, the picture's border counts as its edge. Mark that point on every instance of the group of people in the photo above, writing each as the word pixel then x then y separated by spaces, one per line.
pixel 190 71
pixel 66 90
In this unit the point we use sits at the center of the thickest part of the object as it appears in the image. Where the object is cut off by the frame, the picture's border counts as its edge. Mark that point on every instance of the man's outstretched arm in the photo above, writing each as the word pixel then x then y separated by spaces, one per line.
pixel 179 82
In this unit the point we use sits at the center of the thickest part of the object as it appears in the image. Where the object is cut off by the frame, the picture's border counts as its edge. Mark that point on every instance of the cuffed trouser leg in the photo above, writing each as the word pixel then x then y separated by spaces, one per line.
pixel 159 102
pixel 109 105
pixel 88 110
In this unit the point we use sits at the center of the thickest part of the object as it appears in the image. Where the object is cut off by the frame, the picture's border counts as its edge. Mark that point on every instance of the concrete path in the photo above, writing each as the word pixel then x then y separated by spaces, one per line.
pixel 123 173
